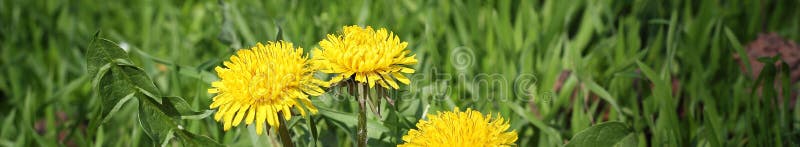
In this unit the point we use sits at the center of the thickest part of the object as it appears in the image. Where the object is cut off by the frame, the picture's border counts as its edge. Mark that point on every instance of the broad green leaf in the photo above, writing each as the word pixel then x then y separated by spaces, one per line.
pixel 113 95
pixel 185 110
pixel 162 121
pixel 190 139
pixel 101 52
pixel 142 82
pixel 118 85
pixel 158 120
pixel 603 135
pixel 103 55
pixel 116 79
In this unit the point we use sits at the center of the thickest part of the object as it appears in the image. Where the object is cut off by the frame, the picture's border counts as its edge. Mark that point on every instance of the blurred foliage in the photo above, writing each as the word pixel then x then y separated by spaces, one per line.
pixel 665 69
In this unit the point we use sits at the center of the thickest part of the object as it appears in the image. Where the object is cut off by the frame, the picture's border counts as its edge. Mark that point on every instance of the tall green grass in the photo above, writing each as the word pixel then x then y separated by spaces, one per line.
pixel 553 68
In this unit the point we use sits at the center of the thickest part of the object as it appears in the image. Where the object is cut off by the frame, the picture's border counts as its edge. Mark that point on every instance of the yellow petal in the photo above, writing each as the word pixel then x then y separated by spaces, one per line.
pixel 390 81
pixel 341 77
pixel 261 116
pixel 407 70
pixel 321 83
pixel 361 77
pixel 409 60
pixel 272 119
pixel 220 112
pixel 310 106
pixel 218 101
pixel 372 77
pixel 217 84
pixel 401 78
pixel 251 113
pixel 302 111
pixel 259 127
pixel 336 79
pixel 312 90
pixel 287 114
pixel 239 116
pixel 228 118
pixel 383 84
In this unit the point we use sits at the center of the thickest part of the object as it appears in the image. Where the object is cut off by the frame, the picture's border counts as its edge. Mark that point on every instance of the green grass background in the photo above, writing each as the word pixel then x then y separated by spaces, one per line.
pixel 500 57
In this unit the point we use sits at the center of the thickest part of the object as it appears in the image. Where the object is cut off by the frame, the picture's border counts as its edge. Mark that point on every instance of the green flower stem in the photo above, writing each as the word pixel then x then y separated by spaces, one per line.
pixel 362 114
pixel 283 132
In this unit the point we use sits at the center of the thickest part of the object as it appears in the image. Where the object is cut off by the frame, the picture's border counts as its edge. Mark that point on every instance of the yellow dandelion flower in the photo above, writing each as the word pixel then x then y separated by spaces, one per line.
pixel 260 82
pixel 456 128
pixel 371 56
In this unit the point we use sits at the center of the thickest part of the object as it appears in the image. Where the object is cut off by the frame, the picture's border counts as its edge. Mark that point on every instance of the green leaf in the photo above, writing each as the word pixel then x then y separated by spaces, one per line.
pixel 8 126
pixel 767 77
pixel 188 71
pixel 375 127
pixel 744 58
pixel 710 132
pixel 551 133
pixel 103 55
pixel 312 126
pixel 113 95
pixel 116 79
pixel 102 52
pixel 158 120
pixel 600 91
pixel 667 125
pixel 162 121
pixel 185 110
pixel 190 139
pixel 662 88
pixel 142 82
pixel 279 36
pixel 603 135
